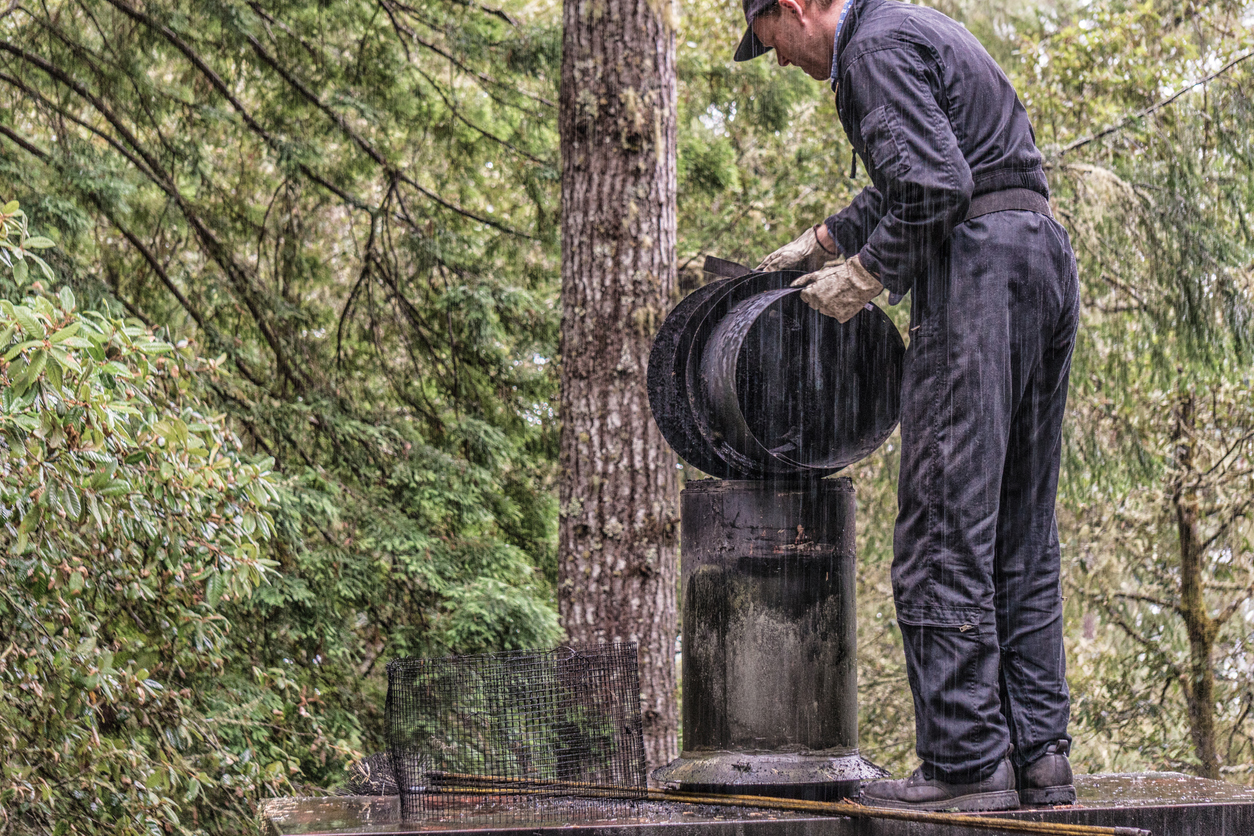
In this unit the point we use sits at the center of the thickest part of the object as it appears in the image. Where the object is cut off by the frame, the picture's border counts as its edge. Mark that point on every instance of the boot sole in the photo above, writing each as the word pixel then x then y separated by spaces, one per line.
pixel 1061 795
pixel 973 803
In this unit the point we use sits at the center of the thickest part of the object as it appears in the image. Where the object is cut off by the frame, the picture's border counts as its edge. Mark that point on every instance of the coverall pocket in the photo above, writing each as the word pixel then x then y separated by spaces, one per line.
pixel 882 136
pixel 961 620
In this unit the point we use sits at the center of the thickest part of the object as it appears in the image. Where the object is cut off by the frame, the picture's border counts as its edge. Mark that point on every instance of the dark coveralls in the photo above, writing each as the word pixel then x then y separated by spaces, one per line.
pixel 992 326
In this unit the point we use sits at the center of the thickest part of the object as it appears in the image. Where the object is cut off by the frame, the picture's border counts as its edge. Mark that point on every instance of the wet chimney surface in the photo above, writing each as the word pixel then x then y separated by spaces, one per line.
pixel 769 632
pixel 770 660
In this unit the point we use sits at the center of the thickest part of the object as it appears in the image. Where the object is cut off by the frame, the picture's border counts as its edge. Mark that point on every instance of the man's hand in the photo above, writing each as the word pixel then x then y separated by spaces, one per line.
pixel 839 290
pixel 806 253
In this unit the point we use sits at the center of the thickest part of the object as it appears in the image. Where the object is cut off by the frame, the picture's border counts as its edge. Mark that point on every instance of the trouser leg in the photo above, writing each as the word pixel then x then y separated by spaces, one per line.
pixel 981 319
pixel 957 732
pixel 1035 698
pixel 953 427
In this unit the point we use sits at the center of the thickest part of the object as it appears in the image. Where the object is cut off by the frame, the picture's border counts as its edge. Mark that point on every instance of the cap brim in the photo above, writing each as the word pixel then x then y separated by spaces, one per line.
pixel 750 46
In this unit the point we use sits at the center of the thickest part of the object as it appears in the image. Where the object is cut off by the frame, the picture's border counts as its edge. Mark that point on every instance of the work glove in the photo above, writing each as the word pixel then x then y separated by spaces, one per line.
pixel 805 253
pixel 839 290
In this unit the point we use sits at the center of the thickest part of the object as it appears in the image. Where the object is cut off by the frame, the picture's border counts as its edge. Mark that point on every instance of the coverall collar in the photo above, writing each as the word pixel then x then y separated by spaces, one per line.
pixel 846 25
pixel 840 24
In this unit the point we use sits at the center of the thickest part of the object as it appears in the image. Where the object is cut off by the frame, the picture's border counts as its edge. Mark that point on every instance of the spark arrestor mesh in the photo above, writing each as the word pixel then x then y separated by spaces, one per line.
pixel 517 738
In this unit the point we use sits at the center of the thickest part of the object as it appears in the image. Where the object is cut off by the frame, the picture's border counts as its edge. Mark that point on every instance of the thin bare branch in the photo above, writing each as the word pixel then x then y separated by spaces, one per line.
pixel 1140 114
pixel 1233 606
pixel 1136 636
pixel 1149 599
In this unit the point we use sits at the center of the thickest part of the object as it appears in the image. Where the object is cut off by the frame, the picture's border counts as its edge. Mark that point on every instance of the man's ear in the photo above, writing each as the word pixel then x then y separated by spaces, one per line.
pixel 797 7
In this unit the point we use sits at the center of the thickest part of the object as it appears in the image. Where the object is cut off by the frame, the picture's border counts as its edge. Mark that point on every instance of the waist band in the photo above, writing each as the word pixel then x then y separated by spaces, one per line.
pixel 1000 201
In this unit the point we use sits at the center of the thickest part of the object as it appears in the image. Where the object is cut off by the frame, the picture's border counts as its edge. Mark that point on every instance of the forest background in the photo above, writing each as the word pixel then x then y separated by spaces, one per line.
pixel 280 359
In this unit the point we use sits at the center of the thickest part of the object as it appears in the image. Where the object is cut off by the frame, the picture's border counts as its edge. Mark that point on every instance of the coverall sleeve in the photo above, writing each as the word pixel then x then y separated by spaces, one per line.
pixel 915 160
pixel 851 227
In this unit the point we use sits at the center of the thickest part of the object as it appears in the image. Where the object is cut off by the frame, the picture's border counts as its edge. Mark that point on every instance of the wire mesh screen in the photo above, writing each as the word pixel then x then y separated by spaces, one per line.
pixel 524 737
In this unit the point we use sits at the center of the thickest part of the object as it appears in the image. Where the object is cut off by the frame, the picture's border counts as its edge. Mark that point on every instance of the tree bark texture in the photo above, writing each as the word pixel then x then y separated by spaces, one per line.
pixel 1199 685
pixel 619 486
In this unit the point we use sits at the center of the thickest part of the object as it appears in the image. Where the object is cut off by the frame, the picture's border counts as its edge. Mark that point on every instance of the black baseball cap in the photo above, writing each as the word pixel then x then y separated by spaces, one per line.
pixel 750 46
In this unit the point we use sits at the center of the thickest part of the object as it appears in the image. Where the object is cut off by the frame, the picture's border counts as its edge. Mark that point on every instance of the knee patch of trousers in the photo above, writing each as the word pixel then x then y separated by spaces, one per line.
pixel 953 678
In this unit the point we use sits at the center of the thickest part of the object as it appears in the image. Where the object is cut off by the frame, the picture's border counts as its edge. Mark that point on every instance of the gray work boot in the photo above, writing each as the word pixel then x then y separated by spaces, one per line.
pixel 1046 781
pixel 996 792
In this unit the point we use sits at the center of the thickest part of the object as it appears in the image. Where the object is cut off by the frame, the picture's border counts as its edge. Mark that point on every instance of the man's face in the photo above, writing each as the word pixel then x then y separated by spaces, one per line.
pixel 796 39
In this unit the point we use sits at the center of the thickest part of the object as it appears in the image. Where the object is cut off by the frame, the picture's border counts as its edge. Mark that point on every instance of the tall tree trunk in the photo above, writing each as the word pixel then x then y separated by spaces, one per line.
pixel 619 488
pixel 1199 682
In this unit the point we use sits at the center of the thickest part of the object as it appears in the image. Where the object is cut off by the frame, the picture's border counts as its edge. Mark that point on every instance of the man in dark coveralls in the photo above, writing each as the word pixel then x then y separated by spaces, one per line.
pixel 958 213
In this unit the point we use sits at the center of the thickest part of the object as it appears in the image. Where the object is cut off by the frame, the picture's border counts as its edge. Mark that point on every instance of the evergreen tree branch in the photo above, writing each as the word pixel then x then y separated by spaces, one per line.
pixel 1150 646
pixel 1109 273
pixel 135 241
pixel 405 34
pixel 209 240
pixel 360 141
pixel 115 285
pixel 1233 606
pixel 1140 114
pixel 21 142
pixel 218 84
pixel 1148 599
pixel 370 265
pixel 363 275
pixel 488 10
pixel 392 171
pixel 481 131
pixel 486 79
pixel 141 165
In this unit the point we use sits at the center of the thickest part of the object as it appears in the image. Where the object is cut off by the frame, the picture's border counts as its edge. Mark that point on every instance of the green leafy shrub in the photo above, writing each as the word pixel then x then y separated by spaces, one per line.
pixel 128 519
pixel 158 671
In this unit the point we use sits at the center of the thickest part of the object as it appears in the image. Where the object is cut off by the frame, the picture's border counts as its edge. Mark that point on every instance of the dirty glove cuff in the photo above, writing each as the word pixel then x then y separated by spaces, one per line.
pixel 839 290
pixel 805 253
